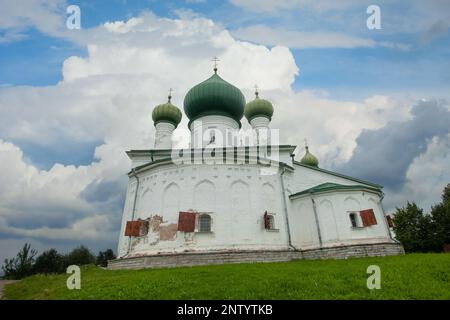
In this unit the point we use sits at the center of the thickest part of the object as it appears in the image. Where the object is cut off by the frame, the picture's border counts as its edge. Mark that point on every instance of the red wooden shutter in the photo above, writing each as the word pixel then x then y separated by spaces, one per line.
pixel 364 220
pixel 133 228
pixel 186 221
pixel 128 228
pixel 368 217
pixel 136 228
pixel 373 220
pixel 389 221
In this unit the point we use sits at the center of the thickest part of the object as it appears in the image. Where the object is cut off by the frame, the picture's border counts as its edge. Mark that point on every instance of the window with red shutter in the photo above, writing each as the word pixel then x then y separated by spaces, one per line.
pixel 389 221
pixel 133 228
pixel 363 216
pixel 368 217
pixel 371 215
pixel 186 221
pixel 269 221
pixel 128 229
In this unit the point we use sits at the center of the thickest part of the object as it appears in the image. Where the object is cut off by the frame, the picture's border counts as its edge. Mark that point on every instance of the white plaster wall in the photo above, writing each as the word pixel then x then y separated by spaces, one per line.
pixel 236 196
pixel 126 216
pixel 303 224
pixel 225 129
pixel 163 135
pixel 333 215
pixel 261 127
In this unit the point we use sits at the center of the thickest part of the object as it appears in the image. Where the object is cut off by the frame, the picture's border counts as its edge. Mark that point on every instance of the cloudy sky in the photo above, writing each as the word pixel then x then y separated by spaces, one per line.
pixel 373 104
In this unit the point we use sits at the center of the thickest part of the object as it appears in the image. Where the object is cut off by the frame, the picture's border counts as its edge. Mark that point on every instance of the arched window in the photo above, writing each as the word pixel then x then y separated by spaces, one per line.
pixel 204 223
pixel 212 136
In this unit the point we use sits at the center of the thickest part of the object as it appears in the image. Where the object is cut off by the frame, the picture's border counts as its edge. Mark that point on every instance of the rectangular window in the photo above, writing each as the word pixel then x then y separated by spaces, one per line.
pixel 353 219
pixel 204 223
pixel 269 221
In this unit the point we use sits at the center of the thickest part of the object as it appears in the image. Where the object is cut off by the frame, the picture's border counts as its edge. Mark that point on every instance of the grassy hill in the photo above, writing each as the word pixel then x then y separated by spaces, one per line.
pixel 413 276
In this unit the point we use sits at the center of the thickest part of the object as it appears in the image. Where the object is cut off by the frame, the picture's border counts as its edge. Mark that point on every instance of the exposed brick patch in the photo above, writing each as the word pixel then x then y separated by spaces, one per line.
pixel 168 232
pixel 155 222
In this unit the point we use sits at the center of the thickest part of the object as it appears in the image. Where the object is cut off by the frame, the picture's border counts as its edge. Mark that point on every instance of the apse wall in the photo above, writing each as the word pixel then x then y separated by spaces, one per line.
pixel 333 210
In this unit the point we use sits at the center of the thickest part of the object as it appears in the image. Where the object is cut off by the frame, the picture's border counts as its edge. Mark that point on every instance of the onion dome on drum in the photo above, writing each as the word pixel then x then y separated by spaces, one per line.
pixel 258 108
pixel 214 96
pixel 167 112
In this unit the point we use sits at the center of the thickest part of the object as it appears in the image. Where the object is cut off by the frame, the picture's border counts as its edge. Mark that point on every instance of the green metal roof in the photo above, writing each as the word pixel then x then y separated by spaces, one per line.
pixel 374 185
pixel 214 96
pixel 167 112
pixel 258 107
pixel 329 186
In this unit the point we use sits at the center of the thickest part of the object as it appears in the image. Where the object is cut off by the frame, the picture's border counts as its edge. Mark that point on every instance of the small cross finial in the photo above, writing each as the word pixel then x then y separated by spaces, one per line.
pixel 170 94
pixel 306 144
pixel 256 90
pixel 215 60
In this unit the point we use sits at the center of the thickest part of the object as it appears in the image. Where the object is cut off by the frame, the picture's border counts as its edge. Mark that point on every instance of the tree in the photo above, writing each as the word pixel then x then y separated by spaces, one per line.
pixel 414 230
pixel 20 266
pixel 446 194
pixel 80 256
pixel 441 217
pixel 49 261
pixel 104 256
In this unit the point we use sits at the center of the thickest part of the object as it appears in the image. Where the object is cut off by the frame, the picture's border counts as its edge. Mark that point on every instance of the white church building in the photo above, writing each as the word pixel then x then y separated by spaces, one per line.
pixel 231 197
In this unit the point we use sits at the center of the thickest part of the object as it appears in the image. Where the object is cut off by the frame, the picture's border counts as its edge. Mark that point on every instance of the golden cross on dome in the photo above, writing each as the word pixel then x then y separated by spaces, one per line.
pixel 215 59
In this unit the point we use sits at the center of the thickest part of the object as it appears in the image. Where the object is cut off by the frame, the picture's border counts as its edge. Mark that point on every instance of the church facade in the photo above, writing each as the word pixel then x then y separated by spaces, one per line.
pixel 229 198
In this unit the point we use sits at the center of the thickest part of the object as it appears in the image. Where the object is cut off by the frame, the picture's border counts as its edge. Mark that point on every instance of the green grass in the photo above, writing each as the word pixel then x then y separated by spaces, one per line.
pixel 413 276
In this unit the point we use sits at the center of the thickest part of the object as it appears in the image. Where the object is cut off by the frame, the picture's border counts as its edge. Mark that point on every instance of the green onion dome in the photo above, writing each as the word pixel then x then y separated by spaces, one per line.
pixel 214 96
pixel 258 108
pixel 167 112
pixel 309 159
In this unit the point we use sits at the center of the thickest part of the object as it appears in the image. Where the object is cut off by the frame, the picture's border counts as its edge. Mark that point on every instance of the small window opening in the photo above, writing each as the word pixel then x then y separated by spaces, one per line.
pixel 353 219
pixel 204 223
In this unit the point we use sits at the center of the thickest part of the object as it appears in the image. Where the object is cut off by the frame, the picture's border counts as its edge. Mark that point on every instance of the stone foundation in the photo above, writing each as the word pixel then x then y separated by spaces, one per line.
pixel 355 251
pixel 208 258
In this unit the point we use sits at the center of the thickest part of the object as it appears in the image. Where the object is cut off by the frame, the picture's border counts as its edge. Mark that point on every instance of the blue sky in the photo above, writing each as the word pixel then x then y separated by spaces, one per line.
pixel 37 60
pixel 72 101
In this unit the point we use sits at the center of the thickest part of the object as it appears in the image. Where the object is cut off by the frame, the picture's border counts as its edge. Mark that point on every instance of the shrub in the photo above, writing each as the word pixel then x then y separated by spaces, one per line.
pixel 49 261
pixel 80 256
pixel 20 266
pixel 104 256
